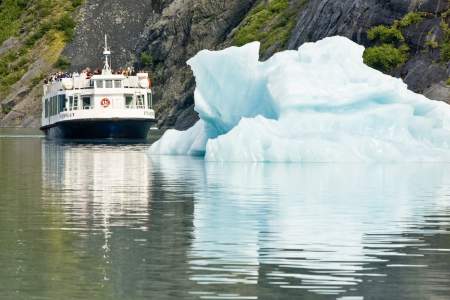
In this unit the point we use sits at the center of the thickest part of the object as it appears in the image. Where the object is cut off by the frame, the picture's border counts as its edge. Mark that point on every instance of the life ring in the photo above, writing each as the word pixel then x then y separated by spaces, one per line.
pixel 105 102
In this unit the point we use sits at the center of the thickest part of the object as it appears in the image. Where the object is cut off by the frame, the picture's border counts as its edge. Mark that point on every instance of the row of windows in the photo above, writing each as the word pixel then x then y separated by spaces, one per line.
pixel 56 104
pixel 108 84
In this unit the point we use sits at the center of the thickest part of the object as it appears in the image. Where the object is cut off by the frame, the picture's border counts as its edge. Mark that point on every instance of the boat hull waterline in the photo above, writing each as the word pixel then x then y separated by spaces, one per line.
pixel 99 129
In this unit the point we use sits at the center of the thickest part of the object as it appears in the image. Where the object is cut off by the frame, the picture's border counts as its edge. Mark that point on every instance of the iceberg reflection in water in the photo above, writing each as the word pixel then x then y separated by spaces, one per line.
pixel 180 228
pixel 329 229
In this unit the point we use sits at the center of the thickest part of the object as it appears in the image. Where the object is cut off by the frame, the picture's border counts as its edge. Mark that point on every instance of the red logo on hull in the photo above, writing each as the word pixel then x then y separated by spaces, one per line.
pixel 105 102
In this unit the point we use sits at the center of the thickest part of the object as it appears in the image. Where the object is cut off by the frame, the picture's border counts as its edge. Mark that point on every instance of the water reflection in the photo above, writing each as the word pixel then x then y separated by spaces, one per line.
pixel 338 230
pixel 132 230
pixel 86 221
pixel 99 183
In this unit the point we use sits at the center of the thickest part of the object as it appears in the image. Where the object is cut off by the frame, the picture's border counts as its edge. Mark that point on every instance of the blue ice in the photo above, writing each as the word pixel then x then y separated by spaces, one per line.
pixel 318 104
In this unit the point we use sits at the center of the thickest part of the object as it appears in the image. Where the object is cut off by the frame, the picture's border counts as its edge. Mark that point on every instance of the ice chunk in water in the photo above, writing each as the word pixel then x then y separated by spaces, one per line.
pixel 318 104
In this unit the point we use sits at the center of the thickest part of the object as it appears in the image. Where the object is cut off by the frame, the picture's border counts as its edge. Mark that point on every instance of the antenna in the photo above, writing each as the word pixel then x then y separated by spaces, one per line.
pixel 107 54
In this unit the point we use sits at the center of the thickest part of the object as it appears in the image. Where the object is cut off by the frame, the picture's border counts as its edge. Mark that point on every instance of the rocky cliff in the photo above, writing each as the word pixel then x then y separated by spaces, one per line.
pixel 406 38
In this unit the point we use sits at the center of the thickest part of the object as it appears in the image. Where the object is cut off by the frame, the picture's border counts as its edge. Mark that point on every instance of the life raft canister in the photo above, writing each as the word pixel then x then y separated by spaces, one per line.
pixel 105 102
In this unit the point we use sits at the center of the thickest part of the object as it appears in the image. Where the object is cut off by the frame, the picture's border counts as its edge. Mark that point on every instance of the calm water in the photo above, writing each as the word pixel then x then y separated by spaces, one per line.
pixel 83 221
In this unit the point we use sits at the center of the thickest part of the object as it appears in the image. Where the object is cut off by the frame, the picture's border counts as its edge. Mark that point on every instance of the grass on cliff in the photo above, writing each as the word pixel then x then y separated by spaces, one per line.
pixel 10 13
pixel 270 22
pixel 40 26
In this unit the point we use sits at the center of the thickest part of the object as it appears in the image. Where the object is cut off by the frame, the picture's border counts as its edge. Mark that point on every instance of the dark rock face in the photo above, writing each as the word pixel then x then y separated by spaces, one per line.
pixel 183 29
pixel 123 21
pixel 350 18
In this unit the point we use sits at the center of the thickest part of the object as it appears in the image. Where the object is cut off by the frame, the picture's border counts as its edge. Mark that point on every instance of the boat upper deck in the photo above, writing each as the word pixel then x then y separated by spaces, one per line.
pixel 102 83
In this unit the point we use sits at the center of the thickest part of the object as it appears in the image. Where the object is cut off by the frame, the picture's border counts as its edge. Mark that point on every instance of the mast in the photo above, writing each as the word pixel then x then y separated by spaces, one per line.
pixel 107 54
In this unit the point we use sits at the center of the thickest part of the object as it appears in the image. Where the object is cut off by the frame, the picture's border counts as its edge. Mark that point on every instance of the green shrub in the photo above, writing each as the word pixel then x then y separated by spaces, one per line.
pixel 146 59
pixel 10 12
pixel 36 36
pixel 66 24
pixel 277 6
pixel 63 63
pixel 445 28
pixel 411 18
pixel 385 34
pixel 76 3
pixel 448 81
pixel 445 51
pixel 385 57
pixel 36 80
pixel 432 44
pixel 22 62
pixel 12 78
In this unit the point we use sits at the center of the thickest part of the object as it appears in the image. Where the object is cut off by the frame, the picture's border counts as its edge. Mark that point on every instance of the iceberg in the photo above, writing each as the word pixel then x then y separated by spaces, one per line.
pixel 318 104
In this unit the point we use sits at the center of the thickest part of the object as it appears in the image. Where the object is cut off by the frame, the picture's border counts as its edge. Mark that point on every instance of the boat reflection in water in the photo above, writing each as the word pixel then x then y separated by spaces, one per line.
pixel 101 189
pixel 180 228
pixel 101 182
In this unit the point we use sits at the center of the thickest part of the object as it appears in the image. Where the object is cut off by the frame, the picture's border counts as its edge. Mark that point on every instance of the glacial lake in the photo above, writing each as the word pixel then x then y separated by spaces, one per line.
pixel 108 221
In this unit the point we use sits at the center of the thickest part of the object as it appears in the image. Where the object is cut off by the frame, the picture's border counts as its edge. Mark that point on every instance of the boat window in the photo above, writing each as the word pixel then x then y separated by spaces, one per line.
pixel 54 105
pixel 149 100
pixel 117 84
pixel 75 102
pixel 86 102
pixel 67 104
pixel 108 84
pixel 61 103
pixel 46 108
pixel 140 102
pixel 100 84
pixel 128 101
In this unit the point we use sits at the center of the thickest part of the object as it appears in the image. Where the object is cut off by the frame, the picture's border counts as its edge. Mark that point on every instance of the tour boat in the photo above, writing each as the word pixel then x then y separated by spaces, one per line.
pixel 101 106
